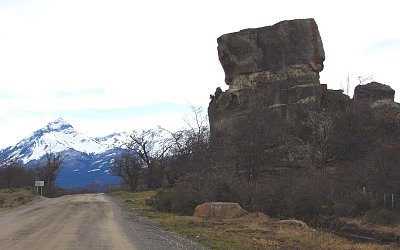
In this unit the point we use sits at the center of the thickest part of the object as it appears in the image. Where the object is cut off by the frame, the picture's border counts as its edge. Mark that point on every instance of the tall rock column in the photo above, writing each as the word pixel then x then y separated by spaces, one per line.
pixel 273 78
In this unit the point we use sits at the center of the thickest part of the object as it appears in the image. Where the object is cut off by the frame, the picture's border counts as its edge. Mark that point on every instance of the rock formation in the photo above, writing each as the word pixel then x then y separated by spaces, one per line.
pixel 274 91
pixel 273 75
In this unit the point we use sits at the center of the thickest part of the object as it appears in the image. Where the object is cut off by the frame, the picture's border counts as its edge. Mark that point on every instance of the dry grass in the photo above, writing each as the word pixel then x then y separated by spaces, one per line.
pixel 253 231
pixel 11 198
pixel 380 228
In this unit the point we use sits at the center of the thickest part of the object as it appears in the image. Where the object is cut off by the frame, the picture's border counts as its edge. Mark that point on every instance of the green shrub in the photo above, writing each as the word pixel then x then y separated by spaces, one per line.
pixel 382 217
pixel 326 209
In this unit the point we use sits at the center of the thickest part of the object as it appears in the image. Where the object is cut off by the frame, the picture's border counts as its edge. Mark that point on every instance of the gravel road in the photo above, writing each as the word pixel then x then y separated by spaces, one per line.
pixel 84 221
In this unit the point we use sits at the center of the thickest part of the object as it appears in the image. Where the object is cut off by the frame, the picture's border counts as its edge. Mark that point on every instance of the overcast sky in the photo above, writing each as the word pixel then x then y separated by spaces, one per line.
pixel 109 66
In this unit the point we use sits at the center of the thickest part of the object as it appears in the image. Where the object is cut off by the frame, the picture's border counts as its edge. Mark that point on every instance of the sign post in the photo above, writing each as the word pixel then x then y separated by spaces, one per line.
pixel 39 184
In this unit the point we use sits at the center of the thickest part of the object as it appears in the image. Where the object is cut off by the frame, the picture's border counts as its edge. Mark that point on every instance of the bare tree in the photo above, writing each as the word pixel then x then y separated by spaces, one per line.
pixel 198 128
pixel 128 168
pixel 190 148
pixel 165 157
pixel 14 175
pixel 194 137
pixel 360 80
pixel 48 172
pixel 151 147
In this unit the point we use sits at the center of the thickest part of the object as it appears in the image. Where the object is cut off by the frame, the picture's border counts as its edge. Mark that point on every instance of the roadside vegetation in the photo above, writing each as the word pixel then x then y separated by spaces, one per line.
pixel 187 169
pixel 15 197
pixel 253 231
pixel 13 175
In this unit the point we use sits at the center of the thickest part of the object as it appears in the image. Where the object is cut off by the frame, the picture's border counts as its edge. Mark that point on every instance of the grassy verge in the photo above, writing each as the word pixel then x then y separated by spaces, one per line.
pixel 11 198
pixel 253 231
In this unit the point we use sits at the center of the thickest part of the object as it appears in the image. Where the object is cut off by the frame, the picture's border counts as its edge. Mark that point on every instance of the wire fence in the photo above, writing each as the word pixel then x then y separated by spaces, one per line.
pixel 386 200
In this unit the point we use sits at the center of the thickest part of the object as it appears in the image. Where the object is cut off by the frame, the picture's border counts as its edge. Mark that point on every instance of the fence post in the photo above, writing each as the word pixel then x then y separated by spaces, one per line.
pixel 384 200
pixel 364 192
pixel 392 200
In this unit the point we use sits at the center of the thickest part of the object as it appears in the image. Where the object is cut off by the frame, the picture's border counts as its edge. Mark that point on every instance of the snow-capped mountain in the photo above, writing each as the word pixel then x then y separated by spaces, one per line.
pixel 114 140
pixel 55 137
pixel 86 159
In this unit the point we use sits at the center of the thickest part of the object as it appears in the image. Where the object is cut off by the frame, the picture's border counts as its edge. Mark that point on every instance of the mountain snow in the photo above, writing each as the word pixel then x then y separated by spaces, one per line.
pixel 114 140
pixel 59 136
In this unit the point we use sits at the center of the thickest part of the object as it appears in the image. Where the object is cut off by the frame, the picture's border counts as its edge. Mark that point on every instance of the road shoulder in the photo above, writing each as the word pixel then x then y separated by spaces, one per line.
pixel 146 233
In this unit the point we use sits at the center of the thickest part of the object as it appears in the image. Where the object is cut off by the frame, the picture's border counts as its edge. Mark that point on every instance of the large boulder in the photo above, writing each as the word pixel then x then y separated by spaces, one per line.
pixel 219 210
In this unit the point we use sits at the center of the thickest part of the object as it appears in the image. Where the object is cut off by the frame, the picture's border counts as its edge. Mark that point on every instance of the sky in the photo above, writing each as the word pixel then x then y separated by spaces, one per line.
pixel 121 65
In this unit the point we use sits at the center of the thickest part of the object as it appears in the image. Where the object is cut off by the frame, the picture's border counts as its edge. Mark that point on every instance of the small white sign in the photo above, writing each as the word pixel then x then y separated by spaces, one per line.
pixel 39 183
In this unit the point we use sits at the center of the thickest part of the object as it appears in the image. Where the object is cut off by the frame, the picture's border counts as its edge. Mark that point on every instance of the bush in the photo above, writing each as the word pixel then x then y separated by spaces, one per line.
pixel 254 198
pixel 326 209
pixel 162 200
pixel 303 206
pixel 225 192
pixel 352 205
pixel 359 204
pixel 382 217
pixel 181 200
pixel 198 189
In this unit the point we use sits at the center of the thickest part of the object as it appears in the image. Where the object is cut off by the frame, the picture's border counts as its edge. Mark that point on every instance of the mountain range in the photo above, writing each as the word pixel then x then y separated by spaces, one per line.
pixel 86 160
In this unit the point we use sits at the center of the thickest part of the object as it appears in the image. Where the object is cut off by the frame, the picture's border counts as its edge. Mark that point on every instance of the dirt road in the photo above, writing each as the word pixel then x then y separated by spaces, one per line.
pixel 87 221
